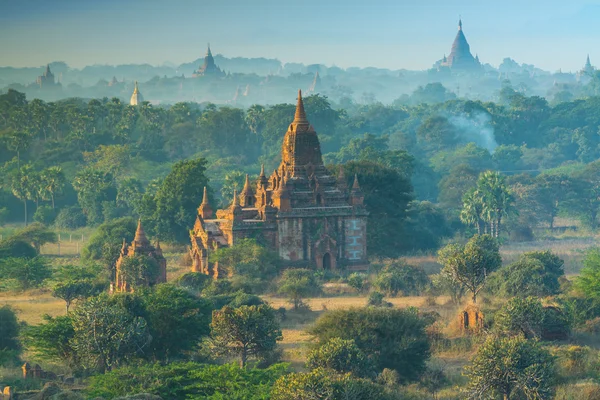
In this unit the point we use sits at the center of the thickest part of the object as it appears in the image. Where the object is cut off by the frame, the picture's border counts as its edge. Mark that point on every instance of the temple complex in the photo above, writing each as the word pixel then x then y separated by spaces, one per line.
pixel 136 98
pixel 309 217
pixel 460 58
pixel 209 68
pixel 140 246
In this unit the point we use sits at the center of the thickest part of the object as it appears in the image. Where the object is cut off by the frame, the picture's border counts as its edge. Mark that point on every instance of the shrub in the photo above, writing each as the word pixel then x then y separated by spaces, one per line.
pixel 70 218
pixel 358 281
pixel 195 281
pixel 297 284
pixel 10 346
pixel 376 300
pixel 399 277
pixel 341 356
pixel 4 214
pixel 187 380
pixel 16 248
pixel 44 215
pixel 393 338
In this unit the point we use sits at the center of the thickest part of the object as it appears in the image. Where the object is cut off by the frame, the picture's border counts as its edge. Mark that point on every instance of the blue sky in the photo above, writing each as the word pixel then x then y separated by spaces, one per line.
pixel 382 33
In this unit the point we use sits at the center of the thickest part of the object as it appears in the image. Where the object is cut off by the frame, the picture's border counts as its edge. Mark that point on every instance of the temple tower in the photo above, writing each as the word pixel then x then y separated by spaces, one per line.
pixel 136 98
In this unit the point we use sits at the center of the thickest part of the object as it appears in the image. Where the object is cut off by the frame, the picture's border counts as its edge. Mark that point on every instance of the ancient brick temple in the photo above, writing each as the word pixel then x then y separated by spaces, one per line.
pixel 304 213
pixel 140 246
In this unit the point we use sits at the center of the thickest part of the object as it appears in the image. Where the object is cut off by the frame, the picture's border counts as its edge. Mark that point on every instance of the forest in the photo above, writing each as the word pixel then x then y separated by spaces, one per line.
pixel 483 279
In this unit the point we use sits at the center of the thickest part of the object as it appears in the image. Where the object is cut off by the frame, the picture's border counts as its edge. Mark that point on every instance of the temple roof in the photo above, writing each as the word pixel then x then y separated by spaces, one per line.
pixel 301 147
pixel 140 236
pixel 460 55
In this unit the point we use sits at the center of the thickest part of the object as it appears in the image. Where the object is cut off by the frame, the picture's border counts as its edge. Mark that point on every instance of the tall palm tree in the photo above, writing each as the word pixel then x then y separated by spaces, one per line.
pixel 497 199
pixel 53 181
pixel 472 211
pixel 23 187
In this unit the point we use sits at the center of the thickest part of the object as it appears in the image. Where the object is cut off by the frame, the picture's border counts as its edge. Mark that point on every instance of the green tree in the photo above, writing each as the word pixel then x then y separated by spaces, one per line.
pixel 341 356
pixel 139 271
pixel 22 183
pixel 520 316
pixel 105 244
pixel 177 320
pixel 250 265
pixel 387 195
pixel 181 380
pixel 244 332
pixel 514 368
pixel 470 264
pixel 106 335
pixel 10 347
pixel 72 290
pixel 178 198
pixel 37 235
pixel 492 199
pixel 52 340
pixel 588 282
pixel 322 384
pixel 94 187
pixel 392 338
pixel 398 276
pixel 297 284
pixel 53 181
pixel 534 274
pixel 25 272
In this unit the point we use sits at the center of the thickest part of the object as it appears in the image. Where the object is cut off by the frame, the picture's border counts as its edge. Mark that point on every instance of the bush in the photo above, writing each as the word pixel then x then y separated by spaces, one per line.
pixel 16 248
pixel 394 338
pixel 358 281
pixel 4 214
pixel 376 300
pixel 341 356
pixel 195 281
pixel 399 277
pixel 44 215
pixel 187 380
pixel 70 218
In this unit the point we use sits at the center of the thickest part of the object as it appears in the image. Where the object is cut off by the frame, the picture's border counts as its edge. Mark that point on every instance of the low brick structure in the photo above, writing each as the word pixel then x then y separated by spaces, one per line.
pixel 471 319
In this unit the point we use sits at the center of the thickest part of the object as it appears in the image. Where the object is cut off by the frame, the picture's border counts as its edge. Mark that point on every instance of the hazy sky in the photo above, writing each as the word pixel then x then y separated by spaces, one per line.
pixel 394 34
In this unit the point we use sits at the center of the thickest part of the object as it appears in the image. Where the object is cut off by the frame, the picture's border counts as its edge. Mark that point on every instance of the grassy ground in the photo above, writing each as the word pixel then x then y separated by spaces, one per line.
pixel 571 247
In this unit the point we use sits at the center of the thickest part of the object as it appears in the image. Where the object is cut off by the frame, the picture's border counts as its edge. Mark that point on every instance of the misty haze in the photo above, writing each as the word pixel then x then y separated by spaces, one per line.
pixel 282 200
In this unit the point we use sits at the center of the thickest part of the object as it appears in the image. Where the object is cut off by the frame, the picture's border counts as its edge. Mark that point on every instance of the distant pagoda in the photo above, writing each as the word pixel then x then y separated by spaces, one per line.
pixel 136 98
pixel 46 79
pixel 460 58
pixel 209 68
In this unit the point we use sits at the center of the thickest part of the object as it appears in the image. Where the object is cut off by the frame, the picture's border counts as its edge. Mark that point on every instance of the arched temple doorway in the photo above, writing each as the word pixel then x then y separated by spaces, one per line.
pixel 327 261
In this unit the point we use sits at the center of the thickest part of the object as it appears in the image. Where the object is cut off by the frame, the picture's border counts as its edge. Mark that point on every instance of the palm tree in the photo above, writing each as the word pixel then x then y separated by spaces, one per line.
pixel 497 199
pixel 472 211
pixel 53 181
pixel 22 185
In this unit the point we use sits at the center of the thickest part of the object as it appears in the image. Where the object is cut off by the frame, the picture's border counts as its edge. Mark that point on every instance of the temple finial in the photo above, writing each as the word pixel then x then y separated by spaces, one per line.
pixel 140 235
pixel 355 185
pixel 247 184
pixel 459 23
pixel 236 201
pixel 300 116
pixel 262 170
pixel 205 196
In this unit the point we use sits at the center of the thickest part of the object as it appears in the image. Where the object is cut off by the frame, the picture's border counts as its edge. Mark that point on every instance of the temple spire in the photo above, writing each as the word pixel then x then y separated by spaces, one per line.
pixel 208 52
pixel 355 185
pixel 204 210
pixel 262 170
pixel 236 202
pixel 140 235
pixel 300 116
pixel 204 197
pixel 459 23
